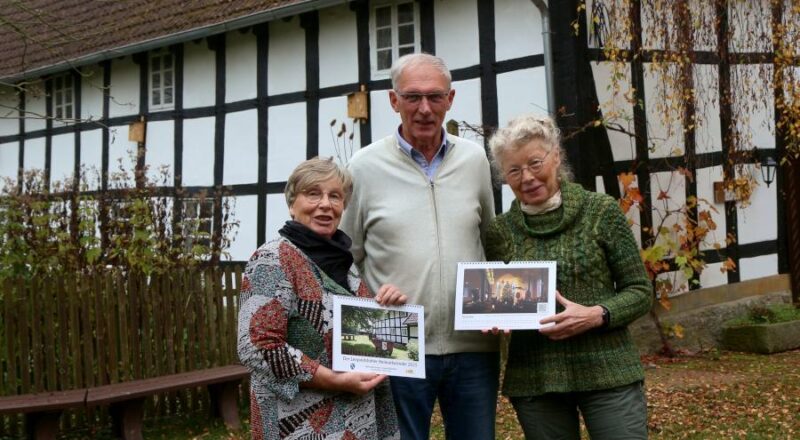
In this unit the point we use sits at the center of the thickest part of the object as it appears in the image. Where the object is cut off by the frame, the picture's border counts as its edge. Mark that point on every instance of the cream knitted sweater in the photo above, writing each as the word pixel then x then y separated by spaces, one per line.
pixel 412 232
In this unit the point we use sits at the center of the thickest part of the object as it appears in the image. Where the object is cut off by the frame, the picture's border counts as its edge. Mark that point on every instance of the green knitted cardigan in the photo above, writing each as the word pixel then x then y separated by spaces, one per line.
pixel 597 263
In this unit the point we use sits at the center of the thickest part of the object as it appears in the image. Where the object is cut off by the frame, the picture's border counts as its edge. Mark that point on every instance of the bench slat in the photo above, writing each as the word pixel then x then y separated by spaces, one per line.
pixel 42 402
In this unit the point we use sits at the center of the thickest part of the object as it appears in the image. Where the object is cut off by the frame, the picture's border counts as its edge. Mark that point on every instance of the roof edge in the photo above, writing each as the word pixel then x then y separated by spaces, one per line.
pixel 179 37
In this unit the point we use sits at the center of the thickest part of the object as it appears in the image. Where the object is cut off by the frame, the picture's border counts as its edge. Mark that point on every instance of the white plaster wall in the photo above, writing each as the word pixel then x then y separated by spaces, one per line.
pixel 91 157
pixel 277 214
pixel 9 162
pixel 679 282
pixel 755 118
pixel 62 157
pixel 666 136
pixel 121 153
pixel 654 21
pixel 757 267
pixel 713 276
pixel 35 107
pixel 287 57
pixel 241 148
pixel 750 23
pixel 124 88
pixel 245 242
pixel 521 91
pixel 240 66
pixel 199 75
pixel 615 10
pixel 615 107
pixel 508 197
pixel 34 154
pixel 705 178
pixel 758 222
pixel 286 142
pixel 92 92
pixel 9 101
pixel 518 29
pixel 198 152
pixel 340 148
pixel 708 132
pixel 338 49
pixel 674 185
pixel 456 22
pixel 160 152
pixel 704 36
pixel 383 119
pixel 467 108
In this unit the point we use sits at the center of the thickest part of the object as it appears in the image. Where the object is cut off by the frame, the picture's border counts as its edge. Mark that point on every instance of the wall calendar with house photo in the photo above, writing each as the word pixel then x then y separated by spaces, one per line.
pixel 511 296
pixel 372 338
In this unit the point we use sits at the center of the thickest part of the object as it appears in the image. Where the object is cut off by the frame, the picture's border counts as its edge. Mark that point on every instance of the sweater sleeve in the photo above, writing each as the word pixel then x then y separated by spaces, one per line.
pixel 634 291
pixel 268 301
pixel 495 243
pixel 486 198
pixel 353 225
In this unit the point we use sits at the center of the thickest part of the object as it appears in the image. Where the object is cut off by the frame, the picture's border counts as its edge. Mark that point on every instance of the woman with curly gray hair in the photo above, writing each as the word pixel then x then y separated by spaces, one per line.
pixel 583 361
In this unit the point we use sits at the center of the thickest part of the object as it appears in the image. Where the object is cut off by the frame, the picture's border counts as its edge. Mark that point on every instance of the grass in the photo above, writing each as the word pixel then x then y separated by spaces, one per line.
pixel 772 314
pixel 711 395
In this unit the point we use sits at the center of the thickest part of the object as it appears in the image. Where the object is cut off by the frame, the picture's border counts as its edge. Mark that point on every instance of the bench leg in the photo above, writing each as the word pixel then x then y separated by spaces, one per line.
pixel 127 419
pixel 225 403
pixel 42 426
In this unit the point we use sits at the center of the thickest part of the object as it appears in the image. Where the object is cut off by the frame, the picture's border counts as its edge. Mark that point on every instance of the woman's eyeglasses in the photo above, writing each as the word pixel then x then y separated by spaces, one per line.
pixel 534 166
pixel 315 196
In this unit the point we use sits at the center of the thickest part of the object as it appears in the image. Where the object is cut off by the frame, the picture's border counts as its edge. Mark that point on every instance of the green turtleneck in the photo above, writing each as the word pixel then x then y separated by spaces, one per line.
pixel 598 262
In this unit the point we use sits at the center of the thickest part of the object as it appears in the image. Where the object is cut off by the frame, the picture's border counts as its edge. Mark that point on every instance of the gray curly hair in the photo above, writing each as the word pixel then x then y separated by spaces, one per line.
pixel 314 171
pixel 519 132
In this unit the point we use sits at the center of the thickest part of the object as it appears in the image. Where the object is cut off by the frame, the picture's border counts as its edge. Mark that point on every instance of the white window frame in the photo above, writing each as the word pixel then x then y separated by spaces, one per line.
pixel 63 97
pixel 157 95
pixel 373 31
pixel 198 213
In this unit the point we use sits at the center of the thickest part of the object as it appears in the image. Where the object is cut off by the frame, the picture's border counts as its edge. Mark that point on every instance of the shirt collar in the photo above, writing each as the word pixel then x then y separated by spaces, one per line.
pixel 405 146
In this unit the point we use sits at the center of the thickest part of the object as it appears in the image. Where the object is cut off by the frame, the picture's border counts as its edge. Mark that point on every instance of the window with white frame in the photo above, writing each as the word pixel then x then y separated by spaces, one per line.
pixel 198 217
pixel 63 97
pixel 395 32
pixel 162 80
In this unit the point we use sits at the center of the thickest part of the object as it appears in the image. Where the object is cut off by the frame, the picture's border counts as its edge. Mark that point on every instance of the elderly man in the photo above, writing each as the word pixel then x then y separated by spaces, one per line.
pixel 421 201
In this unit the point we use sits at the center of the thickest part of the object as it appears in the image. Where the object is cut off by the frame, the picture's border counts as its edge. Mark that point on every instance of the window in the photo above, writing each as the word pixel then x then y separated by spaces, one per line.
pixel 197 218
pixel 395 33
pixel 162 80
pixel 63 97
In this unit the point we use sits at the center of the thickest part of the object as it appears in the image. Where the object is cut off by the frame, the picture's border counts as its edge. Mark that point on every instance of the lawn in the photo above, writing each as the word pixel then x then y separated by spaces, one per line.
pixel 717 395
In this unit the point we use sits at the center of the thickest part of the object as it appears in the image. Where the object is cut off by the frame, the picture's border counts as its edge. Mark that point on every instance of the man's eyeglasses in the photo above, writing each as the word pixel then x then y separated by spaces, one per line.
pixel 315 196
pixel 534 166
pixel 434 98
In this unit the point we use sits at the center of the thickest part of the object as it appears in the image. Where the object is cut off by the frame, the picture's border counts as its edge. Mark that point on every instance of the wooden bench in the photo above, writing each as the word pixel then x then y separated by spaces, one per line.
pixel 126 401
pixel 348 336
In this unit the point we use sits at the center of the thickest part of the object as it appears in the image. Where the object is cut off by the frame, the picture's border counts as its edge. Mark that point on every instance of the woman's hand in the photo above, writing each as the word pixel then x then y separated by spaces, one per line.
pixel 496 331
pixel 350 382
pixel 574 320
pixel 390 295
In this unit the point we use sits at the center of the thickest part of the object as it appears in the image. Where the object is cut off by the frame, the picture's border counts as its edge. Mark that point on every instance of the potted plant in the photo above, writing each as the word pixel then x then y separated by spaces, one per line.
pixel 765 329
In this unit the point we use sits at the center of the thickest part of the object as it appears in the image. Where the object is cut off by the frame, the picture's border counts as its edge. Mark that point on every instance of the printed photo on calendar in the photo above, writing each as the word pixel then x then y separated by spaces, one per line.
pixel 514 295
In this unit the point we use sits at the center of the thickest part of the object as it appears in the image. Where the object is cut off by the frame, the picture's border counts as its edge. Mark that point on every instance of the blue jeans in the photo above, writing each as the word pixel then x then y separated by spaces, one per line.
pixel 466 385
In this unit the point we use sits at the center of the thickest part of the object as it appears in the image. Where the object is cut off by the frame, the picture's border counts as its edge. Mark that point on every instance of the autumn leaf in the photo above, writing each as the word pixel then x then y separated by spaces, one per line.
pixel 626 179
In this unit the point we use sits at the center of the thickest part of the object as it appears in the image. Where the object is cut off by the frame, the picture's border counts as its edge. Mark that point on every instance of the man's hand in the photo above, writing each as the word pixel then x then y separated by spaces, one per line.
pixel 574 320
pixel 390 295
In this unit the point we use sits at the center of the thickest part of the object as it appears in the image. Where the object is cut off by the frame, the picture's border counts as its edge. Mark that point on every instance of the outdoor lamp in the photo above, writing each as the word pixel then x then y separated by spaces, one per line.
pixel 768 167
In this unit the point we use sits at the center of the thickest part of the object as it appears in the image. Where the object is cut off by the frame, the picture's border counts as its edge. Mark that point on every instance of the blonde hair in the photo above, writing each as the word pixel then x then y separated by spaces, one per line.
pixel 519 132
pixel 314 171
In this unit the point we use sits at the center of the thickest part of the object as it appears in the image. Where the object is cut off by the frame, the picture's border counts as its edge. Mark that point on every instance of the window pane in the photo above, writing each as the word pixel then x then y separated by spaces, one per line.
pixel 68 81
pixel 405 50
pixel 68 112
pixel 58 98
pixel 58 112
pixel 167 61
pixel 384 38
pixel 168 79
pixel 155 64
pixel 405 13
pixel 68 96
pixel 405 34
pixel 57 83
pixel 156 97
pixel 156 81
pixel 384 59
pixel 168 95
pixel 383 16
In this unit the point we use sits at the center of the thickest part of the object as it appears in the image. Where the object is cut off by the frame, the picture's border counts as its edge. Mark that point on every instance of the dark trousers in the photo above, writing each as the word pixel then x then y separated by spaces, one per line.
pixel 615 413
pixel 466 385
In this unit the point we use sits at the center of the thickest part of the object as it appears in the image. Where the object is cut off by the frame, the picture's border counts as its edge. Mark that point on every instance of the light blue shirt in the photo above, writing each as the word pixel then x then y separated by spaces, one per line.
pixel 429 168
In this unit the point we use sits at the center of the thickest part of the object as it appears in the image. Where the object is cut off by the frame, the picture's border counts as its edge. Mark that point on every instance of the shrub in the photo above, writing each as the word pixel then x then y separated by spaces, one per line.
pixel 413 350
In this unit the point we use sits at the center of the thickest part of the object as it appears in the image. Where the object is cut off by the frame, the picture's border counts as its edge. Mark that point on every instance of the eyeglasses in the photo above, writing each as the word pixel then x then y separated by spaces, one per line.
pixel 534 166
pixel 434 98
pixel 315 196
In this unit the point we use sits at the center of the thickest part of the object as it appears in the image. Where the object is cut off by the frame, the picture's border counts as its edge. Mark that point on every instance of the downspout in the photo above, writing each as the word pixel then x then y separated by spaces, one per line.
pixel 548 55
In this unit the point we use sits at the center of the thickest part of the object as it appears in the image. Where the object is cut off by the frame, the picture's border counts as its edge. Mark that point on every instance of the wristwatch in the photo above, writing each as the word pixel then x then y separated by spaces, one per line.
pixel 606 317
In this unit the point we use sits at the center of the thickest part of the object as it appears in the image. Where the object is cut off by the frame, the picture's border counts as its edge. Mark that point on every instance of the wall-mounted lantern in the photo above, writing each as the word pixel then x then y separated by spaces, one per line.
pixel 357 105
pixel 768 168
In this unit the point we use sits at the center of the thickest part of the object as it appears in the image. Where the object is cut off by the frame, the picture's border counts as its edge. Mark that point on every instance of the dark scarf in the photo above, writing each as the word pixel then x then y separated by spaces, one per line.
pixel 331 255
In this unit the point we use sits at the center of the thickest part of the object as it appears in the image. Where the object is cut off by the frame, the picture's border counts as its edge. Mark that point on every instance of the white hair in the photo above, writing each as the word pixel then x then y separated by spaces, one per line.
pixel 417 59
